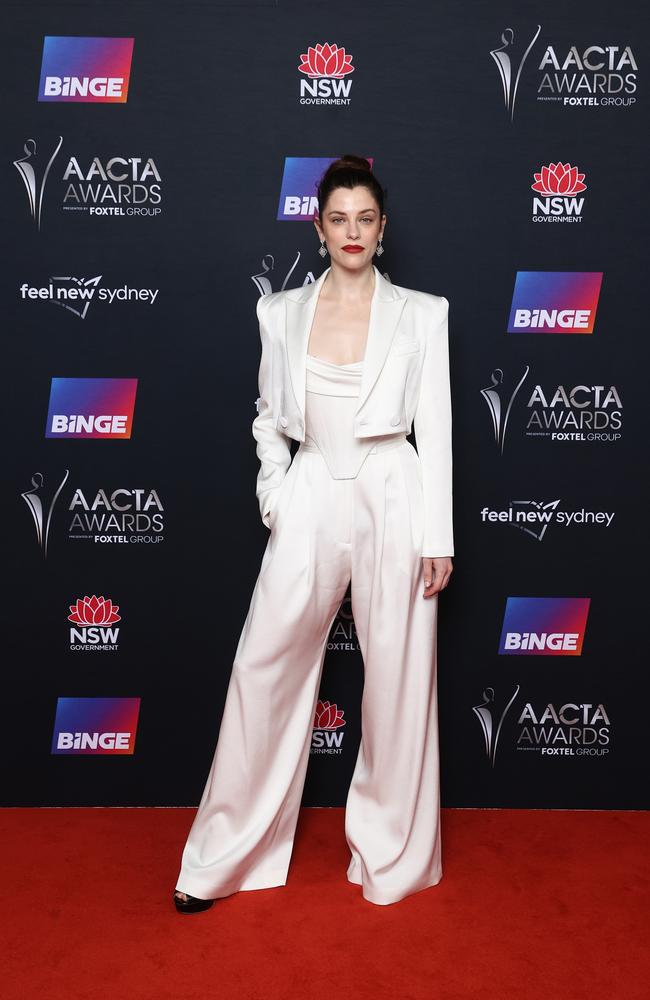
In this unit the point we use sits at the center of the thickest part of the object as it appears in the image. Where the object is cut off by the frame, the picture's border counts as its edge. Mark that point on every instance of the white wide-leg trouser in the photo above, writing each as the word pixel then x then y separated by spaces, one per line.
pixel 325 533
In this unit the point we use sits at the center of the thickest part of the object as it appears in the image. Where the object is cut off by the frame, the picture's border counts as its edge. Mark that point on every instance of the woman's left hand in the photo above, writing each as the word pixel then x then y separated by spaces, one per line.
pixel 437 572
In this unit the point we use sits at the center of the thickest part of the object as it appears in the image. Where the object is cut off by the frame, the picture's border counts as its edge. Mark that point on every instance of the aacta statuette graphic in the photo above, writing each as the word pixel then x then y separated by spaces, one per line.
pixel 34 177
pixel 486 716
pixel 504 56
pixel 262 281
pixel 42 509
pixel 493 396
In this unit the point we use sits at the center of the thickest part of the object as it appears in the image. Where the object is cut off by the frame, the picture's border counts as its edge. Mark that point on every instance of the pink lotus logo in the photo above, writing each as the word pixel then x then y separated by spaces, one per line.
pixel 326 59
pixel 559 178
pixel 94 611
pixel 328 716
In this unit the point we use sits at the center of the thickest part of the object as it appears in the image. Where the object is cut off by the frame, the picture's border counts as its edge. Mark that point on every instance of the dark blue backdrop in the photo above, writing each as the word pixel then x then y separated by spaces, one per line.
pixel 214 102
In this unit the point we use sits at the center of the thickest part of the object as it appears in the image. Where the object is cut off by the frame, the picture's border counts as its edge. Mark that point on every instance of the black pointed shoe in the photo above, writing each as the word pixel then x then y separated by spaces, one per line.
pixel 192 904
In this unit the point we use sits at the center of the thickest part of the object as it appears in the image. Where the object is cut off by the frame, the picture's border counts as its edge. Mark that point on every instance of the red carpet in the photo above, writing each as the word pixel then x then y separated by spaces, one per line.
pixel 532 904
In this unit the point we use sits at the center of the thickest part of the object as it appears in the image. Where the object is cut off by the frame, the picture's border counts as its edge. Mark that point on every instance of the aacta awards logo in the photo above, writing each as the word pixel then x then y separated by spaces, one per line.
pixel 121 517
pixel 86 70
pixel 556 187
pixel 264 279
pixel 106 517
pixel 327 736
pixel 575 729
pixel 597 76
pixel 510 58
pixel 34 168
pixel 491 716
pixel 560 413
pixel 41 500
pixel 569 729
pixel 579 413
pixel 125 186
pixel 343 635
pixel 92 618
pixel 326 66
pixel 117 186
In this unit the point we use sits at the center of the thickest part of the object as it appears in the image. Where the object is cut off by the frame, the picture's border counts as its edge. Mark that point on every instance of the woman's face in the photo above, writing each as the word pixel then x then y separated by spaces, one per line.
pixel 351 226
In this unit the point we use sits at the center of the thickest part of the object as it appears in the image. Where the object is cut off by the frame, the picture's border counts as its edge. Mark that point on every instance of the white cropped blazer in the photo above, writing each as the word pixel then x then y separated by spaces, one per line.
pixel 405 381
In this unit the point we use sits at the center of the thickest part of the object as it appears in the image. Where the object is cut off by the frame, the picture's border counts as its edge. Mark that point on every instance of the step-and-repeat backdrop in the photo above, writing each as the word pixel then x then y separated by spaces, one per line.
pixel 159 171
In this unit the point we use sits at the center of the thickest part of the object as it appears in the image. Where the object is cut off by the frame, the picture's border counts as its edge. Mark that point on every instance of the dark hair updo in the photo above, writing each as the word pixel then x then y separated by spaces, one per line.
pixel 349 172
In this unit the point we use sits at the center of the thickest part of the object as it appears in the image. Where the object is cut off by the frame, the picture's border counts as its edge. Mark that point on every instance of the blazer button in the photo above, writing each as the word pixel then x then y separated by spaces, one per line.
pixel 395 421
pixel 284 421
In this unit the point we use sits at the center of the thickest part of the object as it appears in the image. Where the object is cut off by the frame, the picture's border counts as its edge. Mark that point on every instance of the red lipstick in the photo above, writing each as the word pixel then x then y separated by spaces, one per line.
pixel 353 248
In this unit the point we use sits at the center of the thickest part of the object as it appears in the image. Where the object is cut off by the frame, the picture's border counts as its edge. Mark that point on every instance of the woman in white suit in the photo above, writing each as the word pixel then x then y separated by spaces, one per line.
pixel 349 364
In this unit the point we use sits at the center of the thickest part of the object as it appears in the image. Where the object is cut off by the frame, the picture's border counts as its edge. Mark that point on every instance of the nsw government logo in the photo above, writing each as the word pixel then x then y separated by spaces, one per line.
pixel 327 67
pixel 555 301
pixel 91 408
pixel 327 736
pixel 556 187
pixel 544 626
pixel 86 70
pixel 94 625
pixel 95 725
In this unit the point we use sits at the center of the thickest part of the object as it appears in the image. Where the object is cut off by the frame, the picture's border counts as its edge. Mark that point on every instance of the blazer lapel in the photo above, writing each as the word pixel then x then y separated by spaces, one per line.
pixel 385 311
pixel 300 310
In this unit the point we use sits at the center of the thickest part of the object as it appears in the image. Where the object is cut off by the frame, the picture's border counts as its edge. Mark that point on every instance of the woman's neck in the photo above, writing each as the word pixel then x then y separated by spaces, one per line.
pixel 341 285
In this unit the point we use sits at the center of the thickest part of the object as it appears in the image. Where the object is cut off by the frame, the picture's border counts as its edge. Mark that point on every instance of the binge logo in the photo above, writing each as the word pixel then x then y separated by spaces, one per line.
pixel 555 301
pixel 298 197
pixel 544 626
pixel 85 69
pixel 91 408
pixel 95 725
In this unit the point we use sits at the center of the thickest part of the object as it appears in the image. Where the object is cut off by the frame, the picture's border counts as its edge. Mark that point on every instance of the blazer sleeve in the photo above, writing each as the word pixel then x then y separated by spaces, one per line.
pixel 273 448
pixel 432 422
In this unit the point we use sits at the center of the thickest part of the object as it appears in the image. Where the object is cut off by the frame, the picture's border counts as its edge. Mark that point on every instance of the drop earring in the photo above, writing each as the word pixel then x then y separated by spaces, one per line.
pixel 323 249
pixel 379 250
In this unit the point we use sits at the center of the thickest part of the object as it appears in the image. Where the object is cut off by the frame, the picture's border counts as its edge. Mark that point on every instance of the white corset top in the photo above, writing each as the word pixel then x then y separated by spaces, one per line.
pixel 331 393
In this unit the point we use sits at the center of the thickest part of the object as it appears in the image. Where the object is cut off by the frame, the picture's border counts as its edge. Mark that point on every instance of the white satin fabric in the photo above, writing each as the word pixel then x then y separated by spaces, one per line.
pixel 329 527
pixel 330 408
